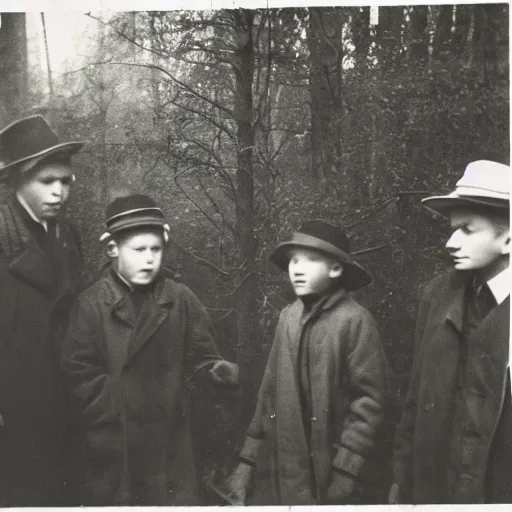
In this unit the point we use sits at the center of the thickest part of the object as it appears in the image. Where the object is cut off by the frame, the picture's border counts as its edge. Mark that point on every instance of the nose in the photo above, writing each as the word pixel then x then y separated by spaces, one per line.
pixel 150 257
pixel 453 242
pixel 57 188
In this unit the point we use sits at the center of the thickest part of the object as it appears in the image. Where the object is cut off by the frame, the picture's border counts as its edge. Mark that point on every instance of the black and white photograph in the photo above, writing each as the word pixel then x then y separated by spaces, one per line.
pixel 254 254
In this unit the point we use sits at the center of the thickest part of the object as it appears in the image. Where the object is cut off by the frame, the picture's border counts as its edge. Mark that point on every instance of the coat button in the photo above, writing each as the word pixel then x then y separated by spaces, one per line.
pixel 428 407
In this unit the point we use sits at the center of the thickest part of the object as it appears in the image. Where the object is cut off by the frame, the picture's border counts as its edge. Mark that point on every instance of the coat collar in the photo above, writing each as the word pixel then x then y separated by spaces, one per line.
pixel 154 312
pixel 322 304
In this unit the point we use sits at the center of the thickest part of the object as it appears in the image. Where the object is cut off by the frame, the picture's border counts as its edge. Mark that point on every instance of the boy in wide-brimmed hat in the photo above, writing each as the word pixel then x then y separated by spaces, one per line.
pixel 454 441
pixel 134 340
pixel 321 399
pixel 40 266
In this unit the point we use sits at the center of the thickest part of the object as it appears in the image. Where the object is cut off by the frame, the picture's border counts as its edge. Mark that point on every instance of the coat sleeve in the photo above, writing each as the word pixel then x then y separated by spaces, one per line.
pixel 99 395
pixel 403 443
pixel 366 368
pixel 256 432
pixel 201 349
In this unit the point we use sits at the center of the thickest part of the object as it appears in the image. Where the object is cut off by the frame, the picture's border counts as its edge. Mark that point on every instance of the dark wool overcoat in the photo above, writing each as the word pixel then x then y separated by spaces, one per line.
pixel 36 292
pixel 347 386
pixel 443 445
pixel 137 419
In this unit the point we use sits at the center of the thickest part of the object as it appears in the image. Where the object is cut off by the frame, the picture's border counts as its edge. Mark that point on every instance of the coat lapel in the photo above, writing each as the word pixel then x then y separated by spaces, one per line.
pixel 33 266
pixel 455 307
pixel 153 314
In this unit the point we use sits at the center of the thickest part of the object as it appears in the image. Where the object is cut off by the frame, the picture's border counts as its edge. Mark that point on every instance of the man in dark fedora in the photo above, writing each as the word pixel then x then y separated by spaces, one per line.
pixel 454 440
pixel 40 262
pixel 321 398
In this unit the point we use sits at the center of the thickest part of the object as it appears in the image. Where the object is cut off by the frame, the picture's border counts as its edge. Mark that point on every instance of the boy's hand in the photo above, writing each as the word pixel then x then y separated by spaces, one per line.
pixel 238 483
pixel 394 495
pixel 343 490
pixel 224 372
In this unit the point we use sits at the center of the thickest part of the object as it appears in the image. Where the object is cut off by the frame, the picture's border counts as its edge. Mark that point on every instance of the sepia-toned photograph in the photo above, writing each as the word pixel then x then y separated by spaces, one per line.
pixel 255 256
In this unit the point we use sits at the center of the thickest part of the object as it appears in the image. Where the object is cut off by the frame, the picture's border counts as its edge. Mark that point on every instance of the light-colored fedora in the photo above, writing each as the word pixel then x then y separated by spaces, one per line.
pixel 484 183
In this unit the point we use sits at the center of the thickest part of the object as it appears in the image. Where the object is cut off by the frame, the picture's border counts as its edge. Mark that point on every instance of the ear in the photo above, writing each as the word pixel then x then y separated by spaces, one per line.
pixel 336 271
pixel 506 244
pixel 112 249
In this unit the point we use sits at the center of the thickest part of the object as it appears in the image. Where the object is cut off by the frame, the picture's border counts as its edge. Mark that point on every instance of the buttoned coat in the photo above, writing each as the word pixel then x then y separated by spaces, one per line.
pixel 137 420
pixel 347 389
pixel 442 444
pixel 34 308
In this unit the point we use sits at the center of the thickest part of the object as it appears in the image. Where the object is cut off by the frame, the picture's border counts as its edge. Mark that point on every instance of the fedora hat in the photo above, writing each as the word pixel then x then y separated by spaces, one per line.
pixel 133 211
pixel 330 240
pixel 484 183
pixel 27 141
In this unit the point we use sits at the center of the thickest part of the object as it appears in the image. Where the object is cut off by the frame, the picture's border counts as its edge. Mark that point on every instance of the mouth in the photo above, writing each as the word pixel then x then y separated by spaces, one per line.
pixel 54 206
pixel 299 283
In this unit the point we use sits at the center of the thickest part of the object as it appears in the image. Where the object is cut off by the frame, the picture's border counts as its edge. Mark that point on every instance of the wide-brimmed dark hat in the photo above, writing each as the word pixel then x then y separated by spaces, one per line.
pixel 484 183
pixel 133 211
pixel 28 141
pixel 330 240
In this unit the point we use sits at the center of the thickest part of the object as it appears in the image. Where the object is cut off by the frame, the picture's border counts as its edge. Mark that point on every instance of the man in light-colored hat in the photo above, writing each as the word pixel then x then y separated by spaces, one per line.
pixel 454 441
pixel 321 398
pixel 40 262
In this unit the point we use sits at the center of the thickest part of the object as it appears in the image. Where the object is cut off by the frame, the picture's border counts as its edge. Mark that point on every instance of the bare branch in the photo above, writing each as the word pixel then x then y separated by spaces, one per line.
pixel 372 249
pixel 183 85
pixel 237 287
pixel 127 38
pixel 200 260
pixel 212 222
pixel 372 212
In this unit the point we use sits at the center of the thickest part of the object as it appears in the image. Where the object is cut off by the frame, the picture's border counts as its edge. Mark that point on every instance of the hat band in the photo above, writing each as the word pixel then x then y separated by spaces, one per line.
pixel 316 243
pixel 480 192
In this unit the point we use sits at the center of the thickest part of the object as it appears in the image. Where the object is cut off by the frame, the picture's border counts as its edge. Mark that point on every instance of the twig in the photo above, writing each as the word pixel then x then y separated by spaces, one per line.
pixel 372 212
pixel 232 292
pixel 199 259
pixel 371 249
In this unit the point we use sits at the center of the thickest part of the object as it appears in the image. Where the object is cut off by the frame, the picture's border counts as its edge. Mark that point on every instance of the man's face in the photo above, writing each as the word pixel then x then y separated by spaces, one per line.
pixel 310 271
pixel 139 257
pixel 476 243
pixel 47 189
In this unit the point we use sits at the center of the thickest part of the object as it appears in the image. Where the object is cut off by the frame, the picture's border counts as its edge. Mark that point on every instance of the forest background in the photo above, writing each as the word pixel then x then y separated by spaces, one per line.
pixel 243 123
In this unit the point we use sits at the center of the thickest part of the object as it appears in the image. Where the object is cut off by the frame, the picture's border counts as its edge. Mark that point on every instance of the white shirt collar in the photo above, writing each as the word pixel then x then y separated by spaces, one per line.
pixel 30 212
pixel 500 285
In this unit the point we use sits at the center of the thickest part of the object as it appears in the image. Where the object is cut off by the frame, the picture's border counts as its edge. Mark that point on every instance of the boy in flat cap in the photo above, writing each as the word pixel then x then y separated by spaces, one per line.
pixel 135 338
pixel 40 264
pixel 321 399
pixel 454 441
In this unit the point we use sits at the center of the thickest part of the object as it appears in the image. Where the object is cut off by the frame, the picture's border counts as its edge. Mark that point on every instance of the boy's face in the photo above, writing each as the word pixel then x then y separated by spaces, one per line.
pixel 310 271
pixel 139 257
pixel 476 242
pixel 47 189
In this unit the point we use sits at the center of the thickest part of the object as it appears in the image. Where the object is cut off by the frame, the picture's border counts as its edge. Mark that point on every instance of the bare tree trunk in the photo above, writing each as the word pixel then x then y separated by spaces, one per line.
pixel 325 85
pixel 246 303
pixel 13 67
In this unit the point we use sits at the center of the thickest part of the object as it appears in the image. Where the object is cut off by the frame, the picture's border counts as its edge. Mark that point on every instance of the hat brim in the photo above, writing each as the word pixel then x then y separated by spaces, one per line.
pixel 65 147
pixel 443 205
pixel 129 224
pixel 354 275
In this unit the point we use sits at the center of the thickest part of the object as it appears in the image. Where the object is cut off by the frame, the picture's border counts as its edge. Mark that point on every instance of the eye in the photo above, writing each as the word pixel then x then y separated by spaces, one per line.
pixel 157 249
pixel 66 181
pixel 140 249
pixel 47 181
